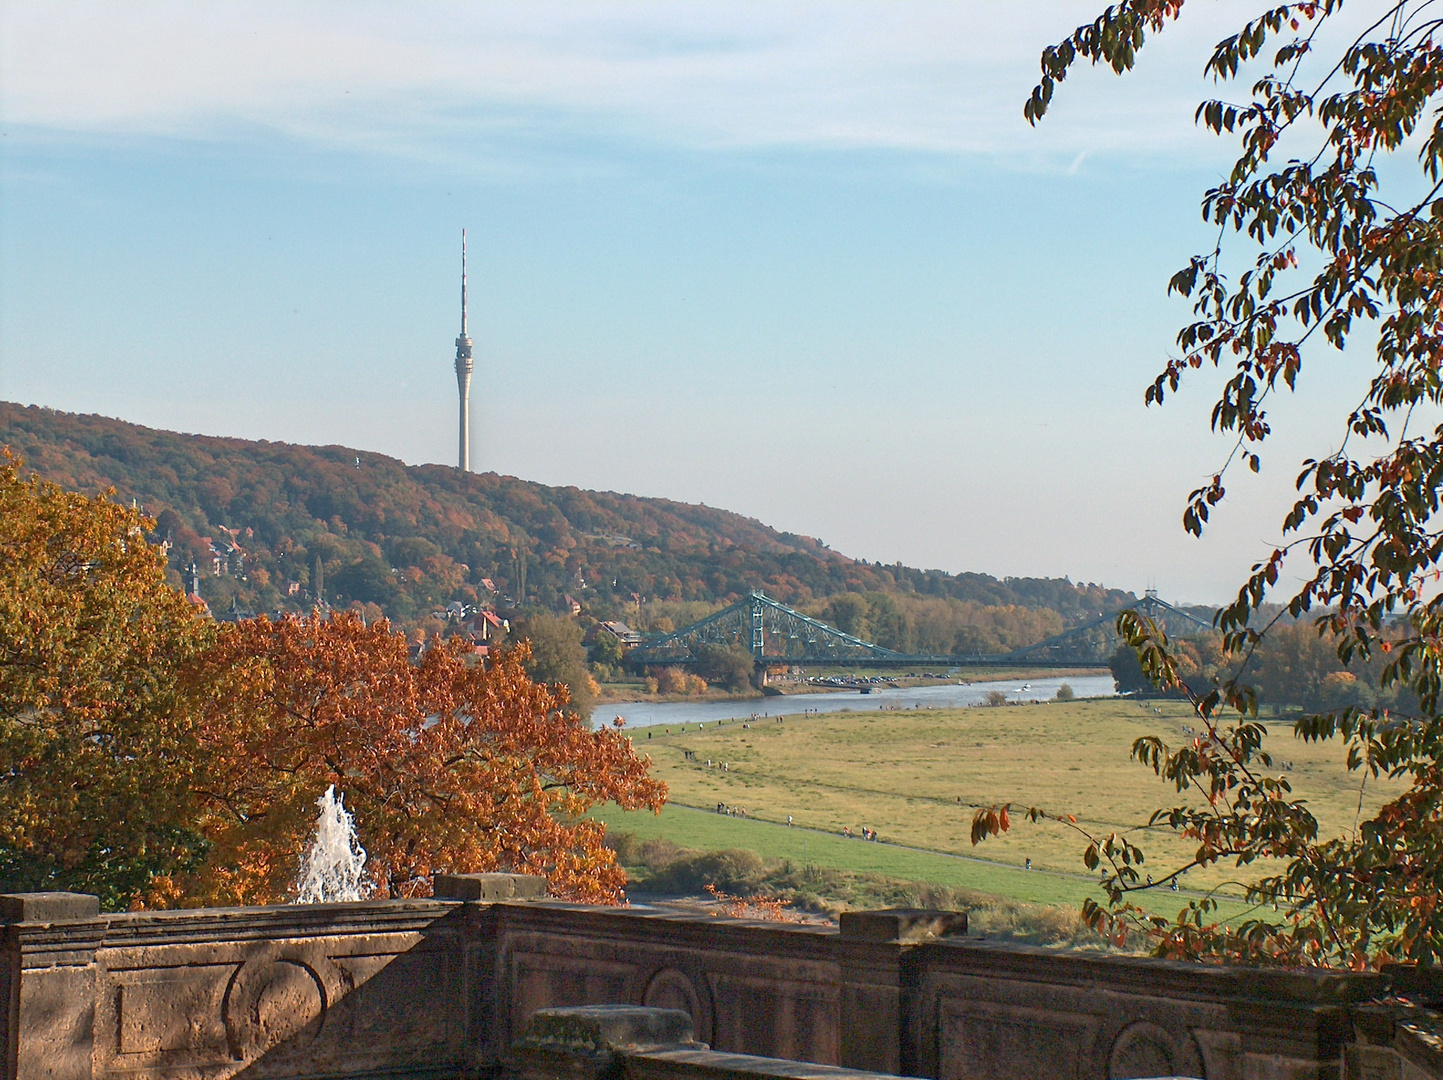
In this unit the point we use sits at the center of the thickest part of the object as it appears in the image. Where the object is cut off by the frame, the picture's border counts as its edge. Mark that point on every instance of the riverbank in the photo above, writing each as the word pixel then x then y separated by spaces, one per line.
pixel 789 685
pixel 945 695
pixel 624 693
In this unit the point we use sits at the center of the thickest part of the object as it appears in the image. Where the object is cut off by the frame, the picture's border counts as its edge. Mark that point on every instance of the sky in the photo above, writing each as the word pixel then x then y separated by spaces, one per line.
pixel 803 261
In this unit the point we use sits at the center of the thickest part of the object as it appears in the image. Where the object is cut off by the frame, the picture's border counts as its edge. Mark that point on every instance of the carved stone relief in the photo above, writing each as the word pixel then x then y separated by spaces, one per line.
pixel 277 1002
pixel 672 989
pixel 1145 1049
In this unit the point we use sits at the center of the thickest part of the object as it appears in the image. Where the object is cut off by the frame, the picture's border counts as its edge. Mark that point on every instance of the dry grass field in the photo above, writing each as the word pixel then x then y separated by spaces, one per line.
pixel 914 775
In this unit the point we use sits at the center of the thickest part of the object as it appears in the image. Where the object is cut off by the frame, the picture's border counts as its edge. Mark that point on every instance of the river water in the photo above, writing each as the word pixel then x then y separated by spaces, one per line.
pixel 946 696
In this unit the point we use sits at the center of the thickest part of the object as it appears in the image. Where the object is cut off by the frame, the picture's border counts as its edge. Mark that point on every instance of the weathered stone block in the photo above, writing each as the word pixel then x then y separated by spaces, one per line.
pixel 47 906
pixel 488 887
pixel 1395 1041
pixel 595 1029
pixel 56 1013
pixel 589 1042
pixel 902 924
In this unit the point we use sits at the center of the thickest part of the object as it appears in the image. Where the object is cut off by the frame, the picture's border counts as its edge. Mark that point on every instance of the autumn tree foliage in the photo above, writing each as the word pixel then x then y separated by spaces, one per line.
pixel 556 655
pixel 152 757
pixel 1321 237
pixel 98 749
pixel 448 765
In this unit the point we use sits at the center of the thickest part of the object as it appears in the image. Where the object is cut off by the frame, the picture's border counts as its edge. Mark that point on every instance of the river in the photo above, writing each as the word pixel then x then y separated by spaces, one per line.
pixel 945 696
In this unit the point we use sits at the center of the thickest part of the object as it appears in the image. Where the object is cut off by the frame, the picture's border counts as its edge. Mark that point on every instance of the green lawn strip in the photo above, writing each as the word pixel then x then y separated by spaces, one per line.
pixel 706 830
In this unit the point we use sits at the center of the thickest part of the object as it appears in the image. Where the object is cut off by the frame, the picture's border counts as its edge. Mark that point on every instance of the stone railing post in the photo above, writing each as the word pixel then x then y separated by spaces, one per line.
pixel 876 982
pixel 488 1007
pixel 488 888
pixel 48 942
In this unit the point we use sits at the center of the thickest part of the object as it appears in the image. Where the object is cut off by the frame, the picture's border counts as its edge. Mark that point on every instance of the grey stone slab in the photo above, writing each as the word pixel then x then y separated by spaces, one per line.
pixel 902 924
pixel 488 887
pixel 47 907
pixel 593 1029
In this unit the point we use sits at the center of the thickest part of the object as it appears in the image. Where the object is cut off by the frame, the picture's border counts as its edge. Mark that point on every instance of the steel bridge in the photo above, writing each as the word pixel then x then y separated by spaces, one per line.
pixel 776 634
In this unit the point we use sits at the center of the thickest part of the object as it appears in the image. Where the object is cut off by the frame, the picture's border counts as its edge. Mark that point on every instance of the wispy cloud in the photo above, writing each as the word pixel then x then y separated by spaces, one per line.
pixel 421 78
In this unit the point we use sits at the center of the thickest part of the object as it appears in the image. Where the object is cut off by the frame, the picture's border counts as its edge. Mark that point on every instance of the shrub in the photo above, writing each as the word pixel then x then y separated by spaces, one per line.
pixel 692 872
pixel 627 847
pixel 675 680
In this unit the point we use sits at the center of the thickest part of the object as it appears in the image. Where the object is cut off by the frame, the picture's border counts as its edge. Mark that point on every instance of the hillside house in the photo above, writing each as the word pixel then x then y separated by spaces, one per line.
pixel 485 626
pixel 226 557
pixel 621 632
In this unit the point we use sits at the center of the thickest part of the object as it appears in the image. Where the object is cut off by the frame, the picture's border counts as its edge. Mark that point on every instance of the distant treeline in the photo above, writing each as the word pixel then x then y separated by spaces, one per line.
pixel 1293 667
pixel 269 525
pixel 912 623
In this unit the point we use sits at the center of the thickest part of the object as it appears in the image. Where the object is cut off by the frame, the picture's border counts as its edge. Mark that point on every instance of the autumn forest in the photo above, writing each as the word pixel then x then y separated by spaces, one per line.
pixel 262 521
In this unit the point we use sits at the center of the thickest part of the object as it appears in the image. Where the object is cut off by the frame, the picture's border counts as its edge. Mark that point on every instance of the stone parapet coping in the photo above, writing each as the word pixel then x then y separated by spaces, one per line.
pixel 1210 981
pixel 77 940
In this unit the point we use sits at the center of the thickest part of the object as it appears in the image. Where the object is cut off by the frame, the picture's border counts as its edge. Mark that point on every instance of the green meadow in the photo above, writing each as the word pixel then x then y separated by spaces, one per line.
pixel 708 831
pixel 915 776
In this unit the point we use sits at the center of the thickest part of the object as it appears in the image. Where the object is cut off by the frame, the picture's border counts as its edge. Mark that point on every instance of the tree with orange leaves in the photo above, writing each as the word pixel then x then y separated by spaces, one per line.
pixel 448 765
pixel 98 753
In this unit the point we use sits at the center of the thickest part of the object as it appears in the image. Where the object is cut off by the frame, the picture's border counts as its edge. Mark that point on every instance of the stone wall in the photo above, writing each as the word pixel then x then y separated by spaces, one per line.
pixel 443 987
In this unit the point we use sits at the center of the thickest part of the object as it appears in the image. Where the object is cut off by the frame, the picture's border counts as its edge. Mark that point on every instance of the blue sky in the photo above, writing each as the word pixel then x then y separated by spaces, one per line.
pixel 802 261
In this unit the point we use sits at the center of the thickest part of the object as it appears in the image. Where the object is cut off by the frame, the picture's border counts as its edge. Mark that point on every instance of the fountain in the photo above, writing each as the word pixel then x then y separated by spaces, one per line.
pixel 332 869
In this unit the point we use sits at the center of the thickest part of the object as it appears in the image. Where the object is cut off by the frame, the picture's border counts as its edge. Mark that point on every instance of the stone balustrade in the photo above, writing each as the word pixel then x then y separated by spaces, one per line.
pixel 444 987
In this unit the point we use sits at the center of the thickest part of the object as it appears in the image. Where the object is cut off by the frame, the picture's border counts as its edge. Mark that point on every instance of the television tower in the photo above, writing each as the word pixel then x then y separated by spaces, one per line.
pixel 464 366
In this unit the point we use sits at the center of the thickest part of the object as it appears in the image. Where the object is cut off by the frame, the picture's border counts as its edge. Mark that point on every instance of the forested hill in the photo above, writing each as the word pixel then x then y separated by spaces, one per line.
pixel 258 517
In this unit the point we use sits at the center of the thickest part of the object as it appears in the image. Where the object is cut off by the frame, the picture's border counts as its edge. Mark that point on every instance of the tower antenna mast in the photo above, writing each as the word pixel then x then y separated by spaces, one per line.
pixel 464 366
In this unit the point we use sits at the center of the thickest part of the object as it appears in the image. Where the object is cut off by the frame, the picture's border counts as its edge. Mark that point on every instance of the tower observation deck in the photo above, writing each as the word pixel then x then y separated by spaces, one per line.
pixel 464 366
